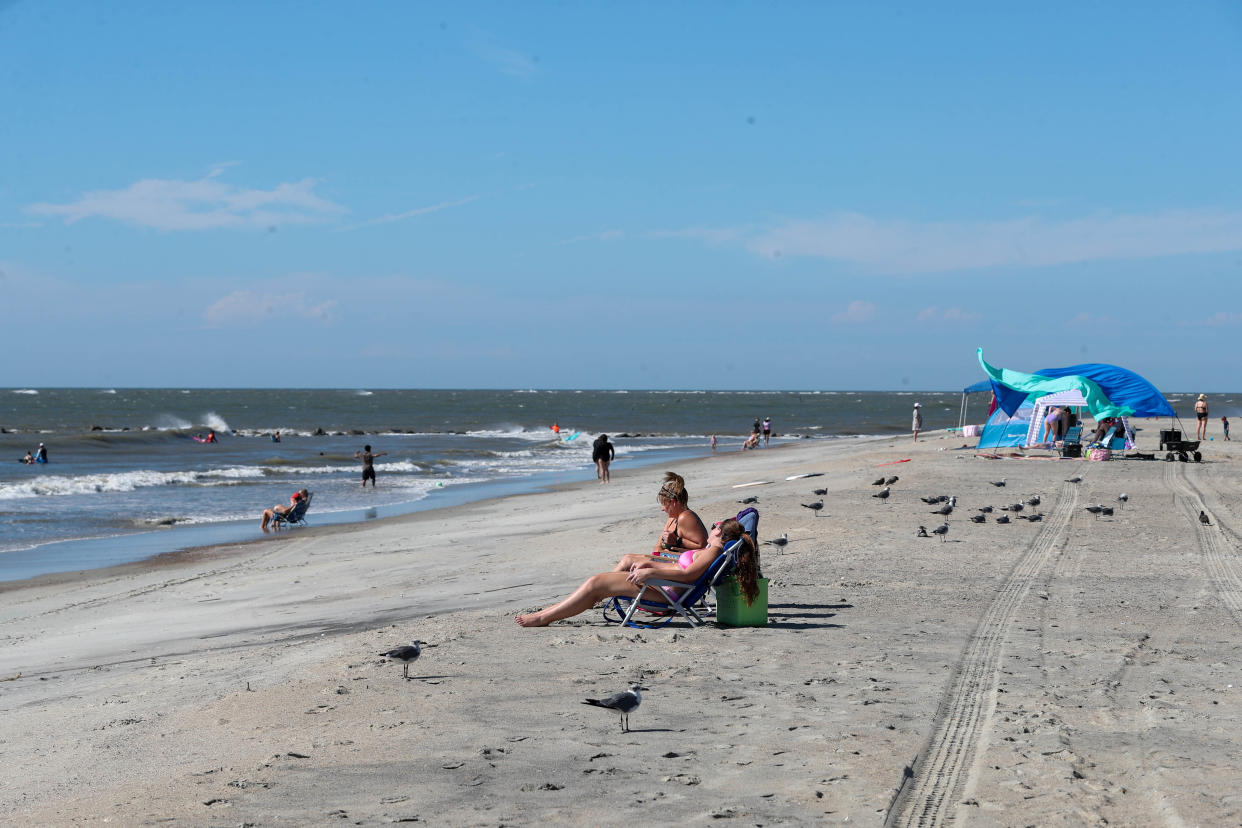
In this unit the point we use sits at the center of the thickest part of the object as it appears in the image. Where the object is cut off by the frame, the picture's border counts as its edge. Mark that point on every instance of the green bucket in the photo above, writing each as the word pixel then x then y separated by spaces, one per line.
pixel 731 609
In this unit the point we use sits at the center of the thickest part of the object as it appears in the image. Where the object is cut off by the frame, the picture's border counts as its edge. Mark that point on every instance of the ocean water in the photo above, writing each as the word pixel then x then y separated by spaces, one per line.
pixel 126 480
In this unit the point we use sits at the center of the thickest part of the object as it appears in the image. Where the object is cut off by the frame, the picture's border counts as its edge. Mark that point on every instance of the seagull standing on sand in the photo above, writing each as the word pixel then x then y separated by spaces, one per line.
pixel 879 482
pixel 820 492
pixel 985 509
pixel 946 509
pixel 1075 479
pixel 978 518
pixel 888 481
pixel 882 494
pixel 751 499
pixel 1033 501
pixel 1000 484
pixel 942 530
pixel 781 541
pixel 815 507
pixel 1204 519
pixel 625 703
pixel 1123 498
pixel 406 654
pixel 1003 519
pixel 922 533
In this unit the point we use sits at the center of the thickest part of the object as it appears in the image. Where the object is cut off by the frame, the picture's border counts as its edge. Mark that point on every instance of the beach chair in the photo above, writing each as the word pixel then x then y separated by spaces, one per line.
pixel 295 516
pixel 1071 444
pixel 749 518
pixel 621 610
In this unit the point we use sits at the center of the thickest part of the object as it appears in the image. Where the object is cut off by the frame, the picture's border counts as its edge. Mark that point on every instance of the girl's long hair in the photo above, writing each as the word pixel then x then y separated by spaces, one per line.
pixel 747 571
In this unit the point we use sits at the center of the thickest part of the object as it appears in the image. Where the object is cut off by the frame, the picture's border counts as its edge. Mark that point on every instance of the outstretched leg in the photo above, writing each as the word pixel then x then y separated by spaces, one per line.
pixel 593 590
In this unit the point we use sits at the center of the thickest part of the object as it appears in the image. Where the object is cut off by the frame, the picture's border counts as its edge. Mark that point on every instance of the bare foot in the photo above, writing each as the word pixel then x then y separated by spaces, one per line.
pixel 532 620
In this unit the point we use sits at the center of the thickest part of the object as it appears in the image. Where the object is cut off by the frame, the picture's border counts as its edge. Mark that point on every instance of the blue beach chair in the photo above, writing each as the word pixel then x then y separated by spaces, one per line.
pixel 295 516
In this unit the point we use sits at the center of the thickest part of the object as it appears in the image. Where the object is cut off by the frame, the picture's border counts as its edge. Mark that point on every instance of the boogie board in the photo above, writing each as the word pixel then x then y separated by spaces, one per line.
pixel 571 437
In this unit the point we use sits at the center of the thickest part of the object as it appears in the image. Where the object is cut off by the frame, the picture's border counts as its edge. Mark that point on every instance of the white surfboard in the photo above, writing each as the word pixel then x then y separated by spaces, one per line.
pixel 753 483
pixel 808 474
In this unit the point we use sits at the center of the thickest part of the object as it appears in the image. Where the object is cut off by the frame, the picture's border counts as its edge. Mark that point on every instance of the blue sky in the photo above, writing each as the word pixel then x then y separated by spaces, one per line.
pixel 618 195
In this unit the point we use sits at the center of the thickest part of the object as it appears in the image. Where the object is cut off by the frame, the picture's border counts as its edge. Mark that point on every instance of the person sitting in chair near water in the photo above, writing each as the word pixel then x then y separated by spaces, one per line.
pixel 688 568
pixel 294 500
pixel 683 530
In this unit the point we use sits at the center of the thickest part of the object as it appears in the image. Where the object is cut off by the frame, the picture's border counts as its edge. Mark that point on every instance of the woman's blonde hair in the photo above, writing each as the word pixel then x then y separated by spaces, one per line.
pixel 674 489
pixel 747 571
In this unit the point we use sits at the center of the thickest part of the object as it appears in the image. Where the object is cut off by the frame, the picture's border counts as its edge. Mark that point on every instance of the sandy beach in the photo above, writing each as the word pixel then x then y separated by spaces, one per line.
pixel 1078 670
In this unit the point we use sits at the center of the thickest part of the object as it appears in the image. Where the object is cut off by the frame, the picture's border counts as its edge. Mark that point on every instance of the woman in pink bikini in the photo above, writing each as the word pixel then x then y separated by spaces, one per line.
pixel 688 567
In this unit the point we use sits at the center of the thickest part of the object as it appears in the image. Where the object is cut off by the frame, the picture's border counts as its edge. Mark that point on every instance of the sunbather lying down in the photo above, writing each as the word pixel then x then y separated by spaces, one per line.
pixel 687 569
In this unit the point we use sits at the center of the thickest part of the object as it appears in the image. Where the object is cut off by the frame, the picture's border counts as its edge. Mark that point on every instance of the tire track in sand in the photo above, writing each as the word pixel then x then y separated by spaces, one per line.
pixel 1220 560
pixel 934 785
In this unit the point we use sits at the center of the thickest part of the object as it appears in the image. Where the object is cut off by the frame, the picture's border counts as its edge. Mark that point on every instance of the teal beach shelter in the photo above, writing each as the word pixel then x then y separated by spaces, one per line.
pixel 1003 430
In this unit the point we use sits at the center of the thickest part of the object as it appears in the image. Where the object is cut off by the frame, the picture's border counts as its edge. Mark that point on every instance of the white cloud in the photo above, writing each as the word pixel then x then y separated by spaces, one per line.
pixel 419 211
pixel 912 247
pixel 1222 319
pixel 858 311
pixel 205 204
pixel 244 307
pixel 954 314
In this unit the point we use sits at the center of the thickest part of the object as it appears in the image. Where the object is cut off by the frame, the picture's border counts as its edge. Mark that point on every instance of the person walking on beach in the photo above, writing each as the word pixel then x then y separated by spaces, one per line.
pixel 767 430
pixel 916 423
pixel 1201 413
pixel 602 452
pixel 1224 423
pixel 368 464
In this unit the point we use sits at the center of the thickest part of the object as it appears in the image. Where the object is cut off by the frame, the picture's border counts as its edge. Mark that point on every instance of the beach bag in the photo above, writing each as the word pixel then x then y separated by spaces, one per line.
pixel 1099 454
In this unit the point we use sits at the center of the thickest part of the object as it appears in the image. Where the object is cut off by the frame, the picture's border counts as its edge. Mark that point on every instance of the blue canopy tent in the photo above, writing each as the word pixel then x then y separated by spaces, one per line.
pixel 1003 430
pixel 1108 390
pixel 976 388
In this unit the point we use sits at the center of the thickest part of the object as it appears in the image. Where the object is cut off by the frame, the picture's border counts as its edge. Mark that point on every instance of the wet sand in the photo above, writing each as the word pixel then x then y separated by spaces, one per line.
pixel 1076 670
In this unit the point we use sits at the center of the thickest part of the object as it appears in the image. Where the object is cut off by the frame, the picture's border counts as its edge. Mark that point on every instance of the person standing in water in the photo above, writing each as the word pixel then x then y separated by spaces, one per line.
pixel 41 454
pixel 368 464
pixel 602 452
pixel 767 430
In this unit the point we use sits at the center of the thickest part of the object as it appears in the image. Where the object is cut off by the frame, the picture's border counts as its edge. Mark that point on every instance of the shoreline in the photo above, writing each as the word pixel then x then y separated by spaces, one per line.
pixel 240 683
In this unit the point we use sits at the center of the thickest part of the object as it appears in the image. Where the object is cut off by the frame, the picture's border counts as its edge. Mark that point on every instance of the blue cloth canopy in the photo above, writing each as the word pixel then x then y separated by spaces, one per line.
pixel 1124 389
pixel 981 385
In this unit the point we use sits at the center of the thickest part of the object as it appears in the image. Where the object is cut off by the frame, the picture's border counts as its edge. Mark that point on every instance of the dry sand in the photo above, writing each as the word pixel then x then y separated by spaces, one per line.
pixel 1074 671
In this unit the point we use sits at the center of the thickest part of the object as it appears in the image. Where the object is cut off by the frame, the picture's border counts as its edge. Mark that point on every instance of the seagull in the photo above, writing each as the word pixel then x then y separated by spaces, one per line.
pixel 882 494
pixel 953 500
pixel 1106 511
pixel 879 482
pixel 751 499
pixel 942 530
pixel 1016 507
pixel 625 703
pixel 922 532
pixel 1033 501
pixel 1075 479
pixel 1123 498
pixel 815 507
pixel 1003 519
pixel 931 501
pixel 407 654
pixel 891 480
pixel 1000 484
pixel 781 541
pixel 978 518
pixel 1095 510
pixel 820 492
pixel 946 509
pixel 1204 519
pixel 1035 518
pixel 987 510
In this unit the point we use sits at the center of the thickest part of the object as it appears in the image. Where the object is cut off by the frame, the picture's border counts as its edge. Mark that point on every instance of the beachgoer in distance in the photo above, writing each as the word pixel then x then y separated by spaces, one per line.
pixel 752 441
pixel 28 459
pixel 1224 423
pixel 767 430
pixel 1052 425
pixel 211 436
pixel 713 442
pixel 368 464
pixel 269 514
pixel 756 428
pixel 276 437
pixel 683 530
pixel 687 569
pixel 1201 413
pixel 556 428
pixel 41 454
pixel 916 424
pixel 602 452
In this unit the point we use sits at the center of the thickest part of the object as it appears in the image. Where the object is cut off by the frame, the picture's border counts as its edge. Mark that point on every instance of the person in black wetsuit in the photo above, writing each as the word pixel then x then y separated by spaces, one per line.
pixel 602 452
